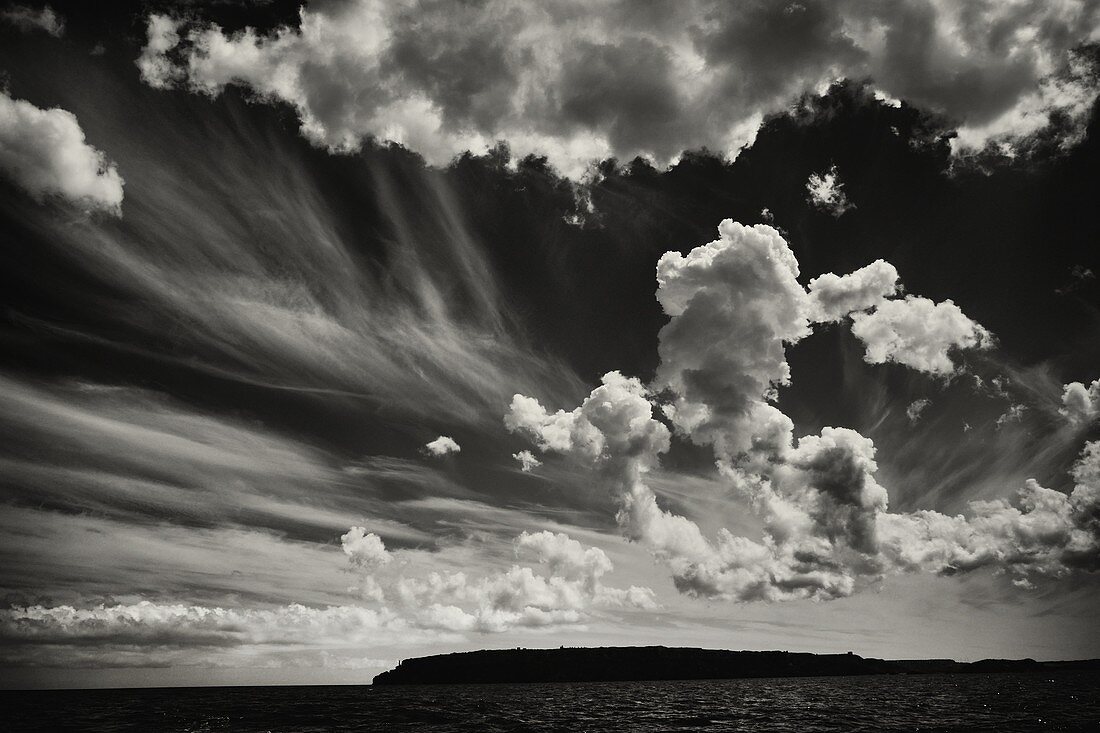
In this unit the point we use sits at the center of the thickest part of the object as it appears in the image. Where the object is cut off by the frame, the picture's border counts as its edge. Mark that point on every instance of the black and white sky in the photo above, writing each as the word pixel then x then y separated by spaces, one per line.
pixel 339 333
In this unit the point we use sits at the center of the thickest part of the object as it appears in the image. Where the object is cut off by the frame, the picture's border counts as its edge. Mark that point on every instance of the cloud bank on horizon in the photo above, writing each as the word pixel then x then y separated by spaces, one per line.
pixel 581 82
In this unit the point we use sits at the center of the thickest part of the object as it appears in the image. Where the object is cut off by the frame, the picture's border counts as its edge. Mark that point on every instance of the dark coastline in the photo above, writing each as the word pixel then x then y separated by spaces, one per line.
pixel 622 664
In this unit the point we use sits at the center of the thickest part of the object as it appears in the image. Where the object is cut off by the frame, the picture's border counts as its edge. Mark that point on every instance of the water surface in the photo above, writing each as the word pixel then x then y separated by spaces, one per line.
pixel 988 702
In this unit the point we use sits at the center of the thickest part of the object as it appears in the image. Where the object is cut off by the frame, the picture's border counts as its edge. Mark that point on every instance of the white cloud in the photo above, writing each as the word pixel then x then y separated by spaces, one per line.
pixel 29 19
pixel 588 81
pixel 442 446
pixel 527 461
pixel 916 407
pixel 565 593
pixel 1081 404
pixel 162 35
pixel 833 297
pixel 430 335
pixel 734 305
pixel 1069 94
pixel 566 588
pixel 826 193
pixel 1042 533
pixel 43 152
pixel 612 421
pixel 147 623
pixel 1014 413
pixel 364 549
pixel 565 556
pixel 918 333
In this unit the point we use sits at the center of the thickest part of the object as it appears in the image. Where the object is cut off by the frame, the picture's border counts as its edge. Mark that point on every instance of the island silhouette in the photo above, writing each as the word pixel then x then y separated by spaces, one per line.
pixel 640 663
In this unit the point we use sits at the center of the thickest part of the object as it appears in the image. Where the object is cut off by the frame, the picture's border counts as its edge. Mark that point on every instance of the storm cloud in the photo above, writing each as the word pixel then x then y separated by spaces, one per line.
pixel 579 82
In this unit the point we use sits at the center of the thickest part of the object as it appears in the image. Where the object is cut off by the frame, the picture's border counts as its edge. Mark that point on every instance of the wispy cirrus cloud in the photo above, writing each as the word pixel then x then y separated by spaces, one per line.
pixel 261 282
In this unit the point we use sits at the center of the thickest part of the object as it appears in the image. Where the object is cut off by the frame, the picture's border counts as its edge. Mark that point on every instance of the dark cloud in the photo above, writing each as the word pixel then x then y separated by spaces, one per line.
pixel 769 51
pixel 627 91
pixel 28 19
pixel 579 83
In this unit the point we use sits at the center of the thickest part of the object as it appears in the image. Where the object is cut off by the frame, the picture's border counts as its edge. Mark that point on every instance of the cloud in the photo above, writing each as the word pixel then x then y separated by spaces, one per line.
pixel 916 407
pixel 566 588
pixel 151 634
pixel 918 333
pixel 1081 404
pixel 420 325
pixel 151 624
pixel 1079 277
pixel 586 82
pixel 519 597
pixel 527 461
pixel 131 450
pixel 1014 413
pixel 1041 533
pixel 43 152
pixel 565 556
pixel 364 549
pixel 1069 94
pixel 834 297
pixel 826 193
pixel 29 19
pixel 162 35
pixel 442 446
pixel 734 305
pixel 611 422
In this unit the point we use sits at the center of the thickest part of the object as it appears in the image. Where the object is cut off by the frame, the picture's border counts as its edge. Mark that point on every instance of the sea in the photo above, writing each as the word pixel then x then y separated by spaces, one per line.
pixel 971 702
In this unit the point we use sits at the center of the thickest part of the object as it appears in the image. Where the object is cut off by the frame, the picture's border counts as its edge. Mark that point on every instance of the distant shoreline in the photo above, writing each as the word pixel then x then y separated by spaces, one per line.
pixel 653 663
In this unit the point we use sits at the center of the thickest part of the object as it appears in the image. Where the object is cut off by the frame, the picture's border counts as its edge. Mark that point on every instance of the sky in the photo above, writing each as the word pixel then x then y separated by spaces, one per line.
pixel 343 333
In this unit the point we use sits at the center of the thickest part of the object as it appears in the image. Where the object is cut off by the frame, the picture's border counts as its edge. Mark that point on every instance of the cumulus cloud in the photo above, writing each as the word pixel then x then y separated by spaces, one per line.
pixel 442 446
pixel 43 152
pixel 734 305
pixel 916 407
pixel 818 509
pixel 826 193
pixel 612 422
pixel 162 34
pixel 919 333
pixel 588 81
pixel 564 589
pixel 29 19
pixel 833 297
pixel 527 461
pixel 1042 532
pixel 1081 404
pixel 364 549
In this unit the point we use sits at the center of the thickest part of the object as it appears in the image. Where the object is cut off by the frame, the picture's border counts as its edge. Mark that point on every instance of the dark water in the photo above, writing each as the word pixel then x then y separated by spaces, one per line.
pixel 994 702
